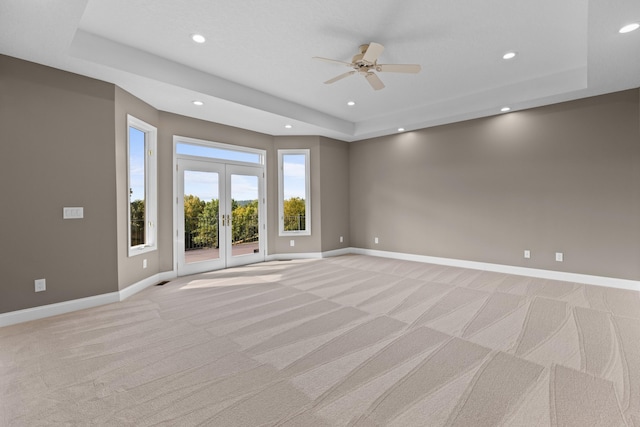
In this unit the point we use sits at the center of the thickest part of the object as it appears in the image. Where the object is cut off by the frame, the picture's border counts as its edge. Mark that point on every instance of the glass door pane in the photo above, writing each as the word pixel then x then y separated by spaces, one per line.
pixel 200 234
pixel 245 206
pixel 245 215
pixel 201 211
pixel 220 215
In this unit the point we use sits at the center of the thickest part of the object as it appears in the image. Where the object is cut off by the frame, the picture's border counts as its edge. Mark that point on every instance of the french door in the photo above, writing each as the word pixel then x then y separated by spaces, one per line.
pixel 220 215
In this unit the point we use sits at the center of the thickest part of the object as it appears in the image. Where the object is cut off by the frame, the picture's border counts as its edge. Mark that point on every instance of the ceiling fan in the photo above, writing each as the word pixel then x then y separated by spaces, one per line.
pixel 366 62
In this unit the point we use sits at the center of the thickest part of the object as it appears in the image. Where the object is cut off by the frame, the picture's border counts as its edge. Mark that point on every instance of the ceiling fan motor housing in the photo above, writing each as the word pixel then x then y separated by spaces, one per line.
pixel 358 59
pixel 366 67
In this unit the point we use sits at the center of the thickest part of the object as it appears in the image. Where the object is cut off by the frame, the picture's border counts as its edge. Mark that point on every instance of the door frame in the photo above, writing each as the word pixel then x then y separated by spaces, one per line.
pixel 176 190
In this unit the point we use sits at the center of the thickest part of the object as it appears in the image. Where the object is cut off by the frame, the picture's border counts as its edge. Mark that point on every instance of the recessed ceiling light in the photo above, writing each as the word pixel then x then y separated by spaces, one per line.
pixel 351 103
pixel 629 28
pixel 198 103
pixel 400 129
pixel 198 38
pixel 505 109
pixel 509 55
pixel 288 126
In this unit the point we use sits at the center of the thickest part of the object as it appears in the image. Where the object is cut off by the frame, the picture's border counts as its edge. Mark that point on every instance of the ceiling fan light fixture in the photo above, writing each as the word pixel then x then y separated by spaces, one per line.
pixel 198 38
pixel 509 55
pixel 366 62
pixel 628 28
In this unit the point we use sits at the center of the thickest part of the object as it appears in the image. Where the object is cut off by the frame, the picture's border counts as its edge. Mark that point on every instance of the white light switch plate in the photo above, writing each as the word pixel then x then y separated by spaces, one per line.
pixel 73 212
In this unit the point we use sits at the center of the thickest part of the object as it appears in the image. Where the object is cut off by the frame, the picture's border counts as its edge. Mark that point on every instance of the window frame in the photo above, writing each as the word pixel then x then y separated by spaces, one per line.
pixel 307 155
pixel 151 186
pixel 183 140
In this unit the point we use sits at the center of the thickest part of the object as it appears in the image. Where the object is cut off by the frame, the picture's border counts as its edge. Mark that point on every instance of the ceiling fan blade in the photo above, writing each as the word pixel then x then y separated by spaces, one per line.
pixel 399 68
pixel 340 77
pixel 373 52
pixel 348 64
pixel 374 81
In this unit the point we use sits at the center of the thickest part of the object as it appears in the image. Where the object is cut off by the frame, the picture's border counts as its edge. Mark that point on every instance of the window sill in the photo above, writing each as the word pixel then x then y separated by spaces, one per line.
pixel 294 233
pixel 139 250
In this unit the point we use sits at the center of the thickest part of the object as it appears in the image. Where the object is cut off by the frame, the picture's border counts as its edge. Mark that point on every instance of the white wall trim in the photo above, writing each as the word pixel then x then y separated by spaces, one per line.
pixel 309 255
pixel 49 310
pixel 302 255
pixel 337 252
pixel 145 283
pixel 611 282
pixel 35 313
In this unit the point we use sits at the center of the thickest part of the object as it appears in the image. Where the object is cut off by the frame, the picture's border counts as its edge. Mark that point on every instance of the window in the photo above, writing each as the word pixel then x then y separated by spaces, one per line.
pixel 213 150
pixel 142 184
pixel 293 192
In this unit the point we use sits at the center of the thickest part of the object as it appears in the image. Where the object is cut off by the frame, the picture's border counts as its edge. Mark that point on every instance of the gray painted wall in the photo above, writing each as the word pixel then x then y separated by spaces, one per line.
pixel 130 269
pixel 57 150
pixel 334 193
pixel 559 178
pixel 303 244
pixel 64 143
pixel 562 178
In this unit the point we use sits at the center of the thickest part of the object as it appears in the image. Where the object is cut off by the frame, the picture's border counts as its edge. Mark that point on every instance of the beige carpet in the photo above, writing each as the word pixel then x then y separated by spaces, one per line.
pixel 351 340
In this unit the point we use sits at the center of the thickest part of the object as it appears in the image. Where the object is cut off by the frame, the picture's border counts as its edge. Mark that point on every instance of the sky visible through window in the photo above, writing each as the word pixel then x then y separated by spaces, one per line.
pixel 217 153
pixel 293 175
pixel 244 187
pixel 136 164
pixel 205 184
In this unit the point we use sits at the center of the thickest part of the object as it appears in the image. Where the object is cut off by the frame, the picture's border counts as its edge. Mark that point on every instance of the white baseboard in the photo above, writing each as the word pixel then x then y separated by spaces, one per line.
pixel 611 282
pixel 337 252
pixel 309 255
pixel 49 310
pixel 145 283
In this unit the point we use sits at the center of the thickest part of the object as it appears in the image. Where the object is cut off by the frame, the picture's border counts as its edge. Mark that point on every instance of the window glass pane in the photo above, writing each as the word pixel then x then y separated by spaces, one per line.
pixel 137 186
pixel 245 209
pixel 294 186
pixel 201 212
pixel 217 153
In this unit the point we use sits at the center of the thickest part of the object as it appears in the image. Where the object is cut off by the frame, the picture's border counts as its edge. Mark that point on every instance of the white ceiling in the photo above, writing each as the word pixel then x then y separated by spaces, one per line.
pixel 255 71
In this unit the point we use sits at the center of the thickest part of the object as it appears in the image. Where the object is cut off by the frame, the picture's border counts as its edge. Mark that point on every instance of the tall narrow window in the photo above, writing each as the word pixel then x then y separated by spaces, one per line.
pixel 294 192
pixel 141 143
